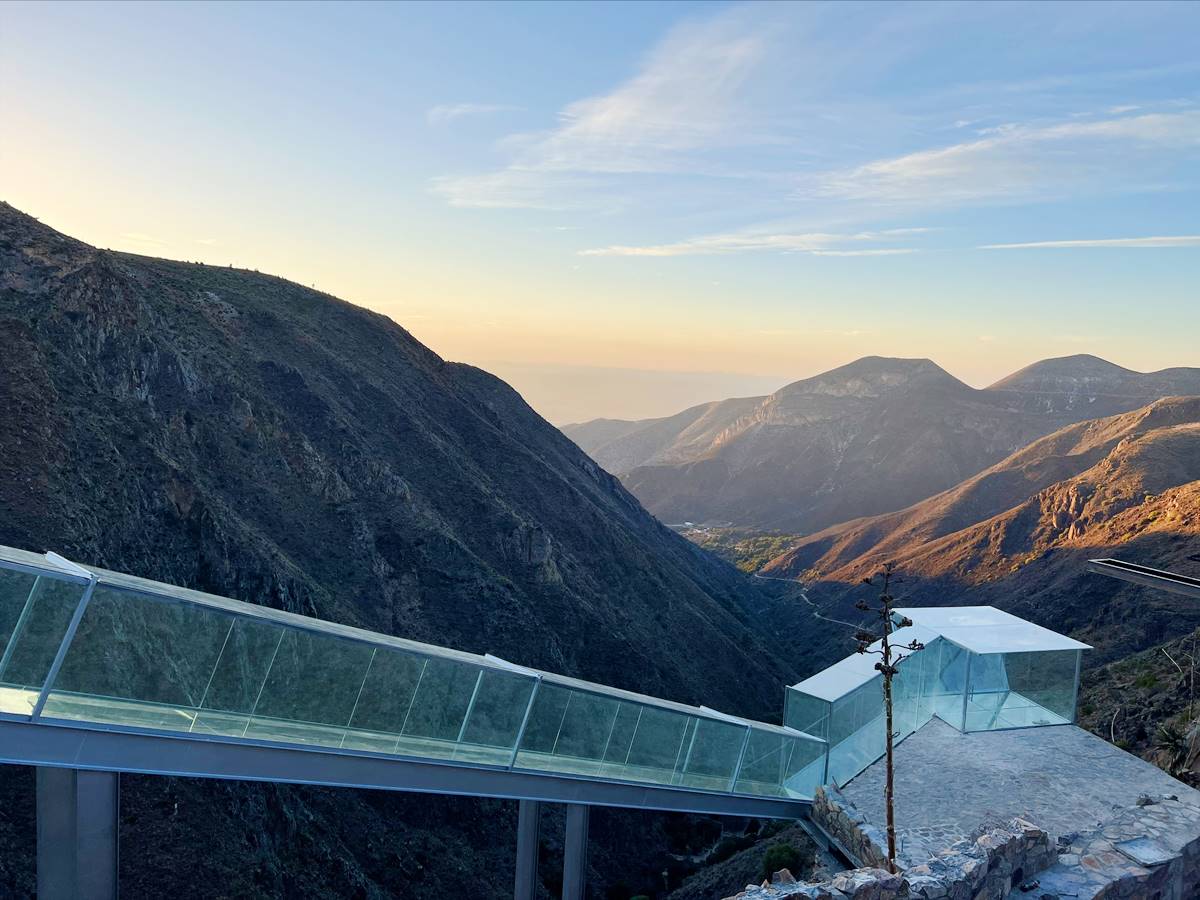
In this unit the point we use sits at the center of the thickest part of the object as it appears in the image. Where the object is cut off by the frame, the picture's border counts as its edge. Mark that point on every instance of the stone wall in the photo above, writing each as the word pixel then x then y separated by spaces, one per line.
pixel 985 869
pixel 842 821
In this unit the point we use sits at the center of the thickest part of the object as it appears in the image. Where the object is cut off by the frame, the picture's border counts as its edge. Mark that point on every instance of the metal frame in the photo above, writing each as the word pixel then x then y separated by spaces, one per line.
pixel 1146 576
pixel 65 745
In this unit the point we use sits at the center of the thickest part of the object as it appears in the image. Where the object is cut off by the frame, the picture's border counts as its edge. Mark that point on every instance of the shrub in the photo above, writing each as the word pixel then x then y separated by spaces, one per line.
pixel 780 856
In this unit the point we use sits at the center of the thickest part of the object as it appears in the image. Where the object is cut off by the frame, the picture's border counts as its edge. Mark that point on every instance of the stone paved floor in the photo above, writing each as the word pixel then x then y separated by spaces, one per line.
pixel 1094 860
pixel 1059 777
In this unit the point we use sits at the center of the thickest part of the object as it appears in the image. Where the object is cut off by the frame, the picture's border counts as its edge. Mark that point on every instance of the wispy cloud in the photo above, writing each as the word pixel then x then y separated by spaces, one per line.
pixel 445 113
pixel 1180 240
pixel 1019 161
pixel 815 243
pixel 679 108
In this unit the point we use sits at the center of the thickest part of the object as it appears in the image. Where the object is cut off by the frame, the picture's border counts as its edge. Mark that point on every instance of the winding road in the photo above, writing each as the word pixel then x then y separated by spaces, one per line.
pixel 804 596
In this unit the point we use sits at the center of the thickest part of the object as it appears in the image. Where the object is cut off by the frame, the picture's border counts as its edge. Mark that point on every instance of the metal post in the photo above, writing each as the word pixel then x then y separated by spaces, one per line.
pixel 524 722
pixel 357 697
pixel 737 769
pixel 77 834
pixel 462 732
pixel 575 853
pixel 529 816
pixel 1075 693
pixel 966 692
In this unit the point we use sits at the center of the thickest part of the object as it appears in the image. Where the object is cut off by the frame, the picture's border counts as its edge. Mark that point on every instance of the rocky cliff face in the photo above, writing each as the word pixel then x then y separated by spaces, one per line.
pixel 237 433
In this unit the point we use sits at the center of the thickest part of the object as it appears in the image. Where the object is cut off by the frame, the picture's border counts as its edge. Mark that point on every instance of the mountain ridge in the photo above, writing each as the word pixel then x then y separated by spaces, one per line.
pixel 824 449
pixel 234 432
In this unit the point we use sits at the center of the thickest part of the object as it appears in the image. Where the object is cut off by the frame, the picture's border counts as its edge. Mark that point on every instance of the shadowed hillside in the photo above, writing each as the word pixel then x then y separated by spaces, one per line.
pixel 1127 486
pixel 237 433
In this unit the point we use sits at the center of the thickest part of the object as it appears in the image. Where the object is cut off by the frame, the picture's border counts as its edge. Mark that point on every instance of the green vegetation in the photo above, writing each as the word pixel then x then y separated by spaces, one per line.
pixel 780 856
pixel 746 548
pixel 1147 681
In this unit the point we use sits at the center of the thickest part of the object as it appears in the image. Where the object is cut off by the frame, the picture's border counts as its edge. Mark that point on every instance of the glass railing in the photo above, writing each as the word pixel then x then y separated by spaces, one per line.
pixel 103 648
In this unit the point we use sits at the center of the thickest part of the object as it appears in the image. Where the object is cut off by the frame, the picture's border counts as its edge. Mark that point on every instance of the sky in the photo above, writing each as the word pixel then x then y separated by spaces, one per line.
pixel 627 208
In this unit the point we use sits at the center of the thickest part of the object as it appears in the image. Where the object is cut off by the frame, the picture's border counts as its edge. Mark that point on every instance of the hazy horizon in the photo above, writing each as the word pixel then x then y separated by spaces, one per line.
pixel 716 196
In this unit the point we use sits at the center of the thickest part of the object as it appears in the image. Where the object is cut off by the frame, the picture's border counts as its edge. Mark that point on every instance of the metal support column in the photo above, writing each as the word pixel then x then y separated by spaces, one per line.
pixel 575 852
pixel 528 818
pixel 76 834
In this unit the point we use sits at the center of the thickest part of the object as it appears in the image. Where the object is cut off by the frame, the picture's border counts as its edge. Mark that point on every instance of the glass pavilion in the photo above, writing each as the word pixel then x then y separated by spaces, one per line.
pixel 981 669
pixel 114 651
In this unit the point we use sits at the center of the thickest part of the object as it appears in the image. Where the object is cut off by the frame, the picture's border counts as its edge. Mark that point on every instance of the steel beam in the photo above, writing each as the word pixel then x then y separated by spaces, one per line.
pixel 575 853
pixel 529 816
pixel 76 834
pixel 1146 576
pixel 61 744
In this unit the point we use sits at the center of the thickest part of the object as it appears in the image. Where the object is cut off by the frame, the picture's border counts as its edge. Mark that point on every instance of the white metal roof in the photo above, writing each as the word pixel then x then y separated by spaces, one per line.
pixel 985 629
pixel 857 669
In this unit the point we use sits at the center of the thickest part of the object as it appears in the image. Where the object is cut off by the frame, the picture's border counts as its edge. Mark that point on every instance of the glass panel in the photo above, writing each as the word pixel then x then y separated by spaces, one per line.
pixel 780 765
pixel 805 768
pixel 1021 690
pixel 587 722
pixel 311 689
pixel 441 702
pixel 620 742
pixel 712 755
pixel 36 611
pixel 545 719
pixel 1047 679
pixel 806 713
pixel 842 718
pixel 657 745
pixel 499 708
pixel 14 593
pixel 138 661
pixel 384 702
pixel 950 684
pixel 237 679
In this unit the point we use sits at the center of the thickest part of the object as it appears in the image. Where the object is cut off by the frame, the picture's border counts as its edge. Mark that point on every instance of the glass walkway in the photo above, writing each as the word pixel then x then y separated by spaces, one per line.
pixel 105 651
pixel 103 673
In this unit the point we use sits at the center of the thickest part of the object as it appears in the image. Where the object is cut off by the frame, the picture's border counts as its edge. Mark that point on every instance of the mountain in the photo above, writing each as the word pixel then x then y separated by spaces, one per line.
pixel 843 551
pixel 867 438
pixel 620 445
pixel 235 432
pixel 1091 387
pixel 1018 535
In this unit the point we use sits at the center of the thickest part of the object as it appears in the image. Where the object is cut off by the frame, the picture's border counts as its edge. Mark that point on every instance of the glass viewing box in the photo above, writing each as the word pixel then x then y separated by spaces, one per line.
pixel 981 669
